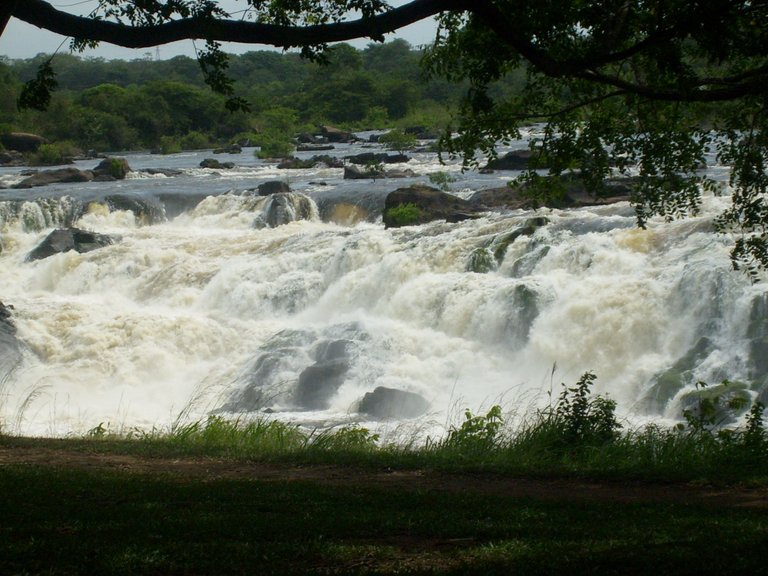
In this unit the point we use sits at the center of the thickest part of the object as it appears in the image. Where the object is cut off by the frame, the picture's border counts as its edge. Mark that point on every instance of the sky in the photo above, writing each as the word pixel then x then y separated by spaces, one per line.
pixel 20 40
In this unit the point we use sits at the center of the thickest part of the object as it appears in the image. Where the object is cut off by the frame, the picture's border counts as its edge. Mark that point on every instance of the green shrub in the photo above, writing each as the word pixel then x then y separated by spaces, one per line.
pixel 477 433
pixel 194 141
pixel 403 214
pixel 397 140
pixel 169 145
pixel 53 154
pixel 272 145
pixel 442 180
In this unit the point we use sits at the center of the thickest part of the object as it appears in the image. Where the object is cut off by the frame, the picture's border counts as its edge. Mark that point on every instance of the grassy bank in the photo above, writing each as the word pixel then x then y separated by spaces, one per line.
pixel 571 490
pixel 67 518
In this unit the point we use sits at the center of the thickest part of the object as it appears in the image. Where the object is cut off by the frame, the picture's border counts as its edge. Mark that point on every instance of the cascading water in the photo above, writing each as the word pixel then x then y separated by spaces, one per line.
pixel 213 299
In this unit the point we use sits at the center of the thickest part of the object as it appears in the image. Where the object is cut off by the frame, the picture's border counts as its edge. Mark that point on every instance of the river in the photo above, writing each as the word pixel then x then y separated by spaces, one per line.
pixel 199 307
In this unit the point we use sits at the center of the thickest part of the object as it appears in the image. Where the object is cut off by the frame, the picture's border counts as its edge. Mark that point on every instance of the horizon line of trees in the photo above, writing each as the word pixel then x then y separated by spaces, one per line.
pixel 110 105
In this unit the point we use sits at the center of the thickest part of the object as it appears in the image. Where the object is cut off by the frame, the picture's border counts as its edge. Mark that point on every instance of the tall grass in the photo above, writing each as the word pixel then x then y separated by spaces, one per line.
pixel 578 434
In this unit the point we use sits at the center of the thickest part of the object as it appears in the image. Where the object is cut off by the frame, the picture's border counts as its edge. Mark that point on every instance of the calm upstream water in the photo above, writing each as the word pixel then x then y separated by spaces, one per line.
pixel 201 307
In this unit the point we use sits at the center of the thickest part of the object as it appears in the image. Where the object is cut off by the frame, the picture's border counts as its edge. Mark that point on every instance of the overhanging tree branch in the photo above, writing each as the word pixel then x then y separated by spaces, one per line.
pixel 43 15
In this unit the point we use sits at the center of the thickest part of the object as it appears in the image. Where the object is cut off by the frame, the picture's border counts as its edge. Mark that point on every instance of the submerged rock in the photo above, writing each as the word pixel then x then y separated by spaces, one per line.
pixel 386 402
pixel 66 239
pixel 668 383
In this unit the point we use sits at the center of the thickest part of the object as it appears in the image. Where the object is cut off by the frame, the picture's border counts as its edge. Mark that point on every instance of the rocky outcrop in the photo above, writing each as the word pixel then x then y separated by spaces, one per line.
pixel 424 204
pixel 393 403
pixel 273 187
pixel 281 208
pixel 59 176
pixel 66 239
pixel 571 193
pixel 214 164
pixel 111 169
pixel 298 164
pixel 367 173
pixel 368 158
pixel 319 382
pixel 512 160
pixel 22 141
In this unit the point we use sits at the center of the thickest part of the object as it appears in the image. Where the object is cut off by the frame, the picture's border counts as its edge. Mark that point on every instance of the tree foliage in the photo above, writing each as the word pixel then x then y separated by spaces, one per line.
pixel 645 88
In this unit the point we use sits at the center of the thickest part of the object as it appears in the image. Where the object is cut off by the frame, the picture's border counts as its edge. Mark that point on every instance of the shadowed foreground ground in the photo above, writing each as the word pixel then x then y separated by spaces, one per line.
pixel 74 511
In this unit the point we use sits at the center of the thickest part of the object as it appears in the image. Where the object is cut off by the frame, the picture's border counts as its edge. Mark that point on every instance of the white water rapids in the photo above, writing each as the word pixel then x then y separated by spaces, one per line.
pixel 212 311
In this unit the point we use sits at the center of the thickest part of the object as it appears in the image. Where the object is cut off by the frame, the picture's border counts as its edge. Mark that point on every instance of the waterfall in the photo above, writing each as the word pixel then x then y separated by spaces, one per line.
pixel 217 300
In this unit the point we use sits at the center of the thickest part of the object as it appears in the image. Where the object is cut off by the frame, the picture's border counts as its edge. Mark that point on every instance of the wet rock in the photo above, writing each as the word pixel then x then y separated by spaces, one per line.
pixel 368 158
pixel 668 383
pixel 66 239
pixel 426 203
pixel 10 349
pixel 281 208
pixel 147 210
pixel 393 403
pixel 214 164
pixel 168 172
pixel 367 173
pixel 58 176
pixel 422 132
pixel 319 383
pixel 512 160
pixel 298 164
pixel 716 405
pixel 273 187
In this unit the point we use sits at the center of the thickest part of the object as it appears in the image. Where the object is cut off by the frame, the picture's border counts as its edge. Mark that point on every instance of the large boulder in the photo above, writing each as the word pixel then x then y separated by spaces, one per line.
pixel 281 208
pixel 321 159
pixel 420 204
pixel 214 164
pixel 58 176
pixel 66 239
pixel 512 160
pixel 112 169
pixel 367 173
pixel 393 403
pixel 22 141
pixel 319 382
pixel 273 187
pixel 368 158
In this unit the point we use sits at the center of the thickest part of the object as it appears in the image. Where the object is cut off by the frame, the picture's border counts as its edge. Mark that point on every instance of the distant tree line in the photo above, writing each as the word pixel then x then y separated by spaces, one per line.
pixel 146 103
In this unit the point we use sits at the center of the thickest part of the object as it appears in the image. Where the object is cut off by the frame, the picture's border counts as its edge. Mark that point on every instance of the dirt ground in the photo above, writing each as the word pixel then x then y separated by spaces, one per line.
pixel 543 489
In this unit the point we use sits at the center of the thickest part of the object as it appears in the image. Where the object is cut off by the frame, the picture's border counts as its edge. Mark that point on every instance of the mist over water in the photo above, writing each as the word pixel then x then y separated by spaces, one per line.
pixel 203 305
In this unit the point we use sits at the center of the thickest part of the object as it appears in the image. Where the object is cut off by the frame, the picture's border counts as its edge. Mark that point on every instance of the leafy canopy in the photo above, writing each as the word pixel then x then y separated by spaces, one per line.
pixel 644 88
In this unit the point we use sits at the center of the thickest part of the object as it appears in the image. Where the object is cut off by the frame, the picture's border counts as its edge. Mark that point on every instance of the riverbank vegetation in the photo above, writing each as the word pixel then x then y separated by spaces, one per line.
pixel 572 489
pixel 165 105
pixel 720 440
